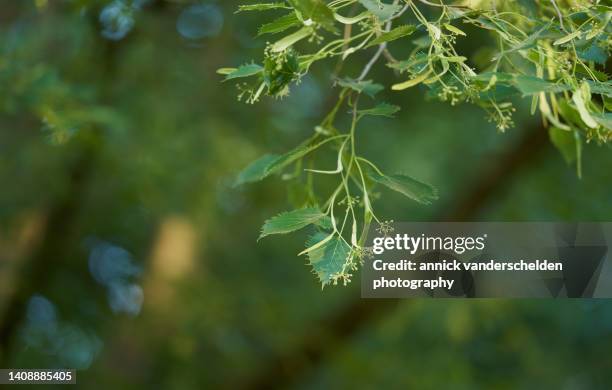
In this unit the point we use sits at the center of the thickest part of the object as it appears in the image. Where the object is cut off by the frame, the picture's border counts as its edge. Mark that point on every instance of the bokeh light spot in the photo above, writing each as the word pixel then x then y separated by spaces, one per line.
pixel 200 21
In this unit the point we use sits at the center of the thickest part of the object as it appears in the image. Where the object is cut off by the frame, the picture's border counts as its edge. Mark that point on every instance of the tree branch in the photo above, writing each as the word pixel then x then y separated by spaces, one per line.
pixel 329 334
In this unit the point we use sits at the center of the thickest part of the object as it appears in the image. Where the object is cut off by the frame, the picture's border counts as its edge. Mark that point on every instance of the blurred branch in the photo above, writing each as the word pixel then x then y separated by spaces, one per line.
pixel 329 334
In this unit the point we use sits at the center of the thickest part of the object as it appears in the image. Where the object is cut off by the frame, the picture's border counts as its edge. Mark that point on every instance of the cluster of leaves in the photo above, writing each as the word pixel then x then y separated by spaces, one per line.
pixel 554 52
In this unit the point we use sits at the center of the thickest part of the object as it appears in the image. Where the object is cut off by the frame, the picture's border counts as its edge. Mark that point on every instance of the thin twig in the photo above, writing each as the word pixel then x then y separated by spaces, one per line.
pixel 554 3
pixel 383 46
pixel 366 69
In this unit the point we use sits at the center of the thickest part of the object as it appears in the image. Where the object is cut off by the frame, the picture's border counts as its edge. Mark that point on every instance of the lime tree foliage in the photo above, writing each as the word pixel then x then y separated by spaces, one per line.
pixel 551 52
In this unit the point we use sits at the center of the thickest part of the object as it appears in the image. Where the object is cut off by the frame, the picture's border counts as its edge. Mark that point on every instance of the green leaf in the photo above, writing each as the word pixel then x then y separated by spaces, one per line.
pixel 381 10
pixel 569 113
pixel 422 42
pixel 325 223
pixel 581 98
pixel 261 7
pixel 328 259
pixel 415 64
pixel 291 221
pixel 225 71
pixel 383 109
pixel 273 163
pixel 396 33
pixel 564 141
pixel 244 71
pixel 500 77
pixel 604 119
pixel 257 170
pixel 454 29
pixel 279 25
pixel 530 41
pixel 529 85
pixel 290 157
pixel 317 11
pixel 601 88
pixel 365 86
pixel 414 189
pixel 594 53
pixel 569 143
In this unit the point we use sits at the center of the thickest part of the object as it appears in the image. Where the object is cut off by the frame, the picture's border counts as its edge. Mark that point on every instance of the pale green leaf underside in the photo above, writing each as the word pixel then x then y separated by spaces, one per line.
pixel 244 71
pixel 327 260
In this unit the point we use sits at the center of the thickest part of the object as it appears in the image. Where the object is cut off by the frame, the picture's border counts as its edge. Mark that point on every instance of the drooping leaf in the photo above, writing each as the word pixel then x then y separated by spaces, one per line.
pixel 396 33
pixel 261 7
pixel 412 188
pixel 564 141
pixel 382 109
pixel 257 170
pixel 581 97
pixel 569 113
pixel 290 157
pixel 366 86
pixel 244 71
pixel 273 163
pixel 279 25
pixel 328 259
pixel 381 10
pixel 291 221
pixel 316 11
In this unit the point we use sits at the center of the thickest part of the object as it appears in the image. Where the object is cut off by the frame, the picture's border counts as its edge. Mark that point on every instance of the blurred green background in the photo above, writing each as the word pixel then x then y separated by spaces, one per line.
pixel 126 253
